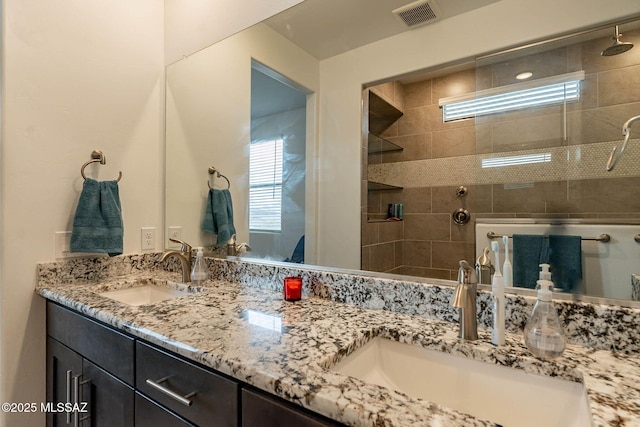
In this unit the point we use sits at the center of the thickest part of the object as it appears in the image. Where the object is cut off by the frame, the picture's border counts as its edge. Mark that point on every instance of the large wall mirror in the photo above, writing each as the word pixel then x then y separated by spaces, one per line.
pixel 335 183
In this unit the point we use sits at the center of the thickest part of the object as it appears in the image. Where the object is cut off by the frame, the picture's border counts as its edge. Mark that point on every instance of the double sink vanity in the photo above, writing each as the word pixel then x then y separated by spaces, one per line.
pixel 233 352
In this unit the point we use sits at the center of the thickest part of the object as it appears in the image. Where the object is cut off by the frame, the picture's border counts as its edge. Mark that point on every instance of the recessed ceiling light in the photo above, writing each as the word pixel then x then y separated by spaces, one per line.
pixel 524 75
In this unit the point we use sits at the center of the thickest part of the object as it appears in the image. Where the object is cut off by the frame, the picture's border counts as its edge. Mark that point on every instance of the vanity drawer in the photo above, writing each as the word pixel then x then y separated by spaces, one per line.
pixel 262 410
pixel 106 347
pixel 215 402
pixel 150 414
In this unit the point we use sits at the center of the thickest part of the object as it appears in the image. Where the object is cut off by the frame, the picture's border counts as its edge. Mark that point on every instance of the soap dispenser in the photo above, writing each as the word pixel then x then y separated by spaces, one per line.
pixel 545 274
pixel 198 274
pixel 543 333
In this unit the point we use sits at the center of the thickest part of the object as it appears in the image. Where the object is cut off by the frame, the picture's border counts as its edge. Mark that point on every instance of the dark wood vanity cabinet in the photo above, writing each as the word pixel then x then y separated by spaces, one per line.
pixel 62 365
pixel 127 382
pixel 80 393
pixel 262 410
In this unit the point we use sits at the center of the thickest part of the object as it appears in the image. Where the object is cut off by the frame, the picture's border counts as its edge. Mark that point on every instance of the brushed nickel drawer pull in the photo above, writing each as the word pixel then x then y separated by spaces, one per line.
pixel 76 394
pixel 69 376
pixel 172 394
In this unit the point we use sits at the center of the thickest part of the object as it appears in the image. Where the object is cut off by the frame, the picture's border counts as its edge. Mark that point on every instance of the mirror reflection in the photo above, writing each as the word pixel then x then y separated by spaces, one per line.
pixel 277 167
pixel 527 135
pixel 363 190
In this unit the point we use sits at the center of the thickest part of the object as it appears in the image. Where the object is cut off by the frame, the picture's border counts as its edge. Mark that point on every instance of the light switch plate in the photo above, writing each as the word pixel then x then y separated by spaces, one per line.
pixel 63 244
pixel 63 247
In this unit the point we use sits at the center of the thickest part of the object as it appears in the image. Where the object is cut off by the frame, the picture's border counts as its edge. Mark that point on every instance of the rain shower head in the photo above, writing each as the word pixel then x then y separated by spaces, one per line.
pixel 617 47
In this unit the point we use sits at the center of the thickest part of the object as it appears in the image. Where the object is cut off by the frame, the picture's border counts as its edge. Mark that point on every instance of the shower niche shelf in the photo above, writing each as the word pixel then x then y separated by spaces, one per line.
pixel 378 144
pixel 382 113
pixel 379 186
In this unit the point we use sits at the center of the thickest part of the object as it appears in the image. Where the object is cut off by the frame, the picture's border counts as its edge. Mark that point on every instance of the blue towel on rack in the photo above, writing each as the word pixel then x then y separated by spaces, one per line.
pixel 562 253
pixel 97 224
pixel 529 251
pixel 218 216
pixel 565 257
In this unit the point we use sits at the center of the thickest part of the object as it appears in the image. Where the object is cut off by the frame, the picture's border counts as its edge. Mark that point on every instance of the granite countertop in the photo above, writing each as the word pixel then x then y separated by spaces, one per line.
pixel 288 351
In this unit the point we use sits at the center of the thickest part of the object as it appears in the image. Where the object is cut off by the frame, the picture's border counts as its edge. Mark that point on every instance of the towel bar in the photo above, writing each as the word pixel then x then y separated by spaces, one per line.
pixel 97 156
pixel 213 170
pixel 601 238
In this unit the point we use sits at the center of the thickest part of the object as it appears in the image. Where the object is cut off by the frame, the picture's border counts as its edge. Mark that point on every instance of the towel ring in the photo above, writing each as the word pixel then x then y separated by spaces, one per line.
pixel 97 156
pixel 212 171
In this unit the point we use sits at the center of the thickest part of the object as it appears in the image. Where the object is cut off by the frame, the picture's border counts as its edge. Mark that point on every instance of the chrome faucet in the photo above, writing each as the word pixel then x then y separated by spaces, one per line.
pixel 184 255
pixel 234 249
pixel 464 298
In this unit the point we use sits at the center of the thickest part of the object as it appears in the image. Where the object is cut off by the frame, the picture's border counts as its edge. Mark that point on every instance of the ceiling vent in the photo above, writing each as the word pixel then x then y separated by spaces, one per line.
pixel 418 13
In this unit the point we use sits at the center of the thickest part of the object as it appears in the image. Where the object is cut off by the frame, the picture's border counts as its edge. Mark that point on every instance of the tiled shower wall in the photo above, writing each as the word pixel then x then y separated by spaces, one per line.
pixel 438 157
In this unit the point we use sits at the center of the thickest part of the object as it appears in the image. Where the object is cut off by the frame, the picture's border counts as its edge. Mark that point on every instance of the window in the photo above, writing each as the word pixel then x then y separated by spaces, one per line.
pixel 265 185
pixel 537 93
pixel 527 159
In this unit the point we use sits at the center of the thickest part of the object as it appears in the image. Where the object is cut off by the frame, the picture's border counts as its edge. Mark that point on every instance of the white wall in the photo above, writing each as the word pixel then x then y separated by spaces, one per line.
pixel 78 75
pixel 497 26
pixel 194 25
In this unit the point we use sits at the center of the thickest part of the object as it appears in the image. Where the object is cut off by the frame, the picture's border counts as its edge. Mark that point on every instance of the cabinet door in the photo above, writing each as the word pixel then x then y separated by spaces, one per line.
pixel 62 365
pixel 150 414
pixel 110 401
pixel 104 346
pixel 261 410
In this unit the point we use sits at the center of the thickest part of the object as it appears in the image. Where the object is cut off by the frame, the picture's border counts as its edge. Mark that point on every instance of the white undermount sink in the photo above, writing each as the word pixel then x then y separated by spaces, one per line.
pixel 142 295
pixel 503 395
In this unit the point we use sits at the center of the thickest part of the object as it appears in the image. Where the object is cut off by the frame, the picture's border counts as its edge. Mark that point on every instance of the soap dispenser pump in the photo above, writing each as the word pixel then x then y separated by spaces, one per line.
pixel 543 333
pixel 198 274
pixel 545 274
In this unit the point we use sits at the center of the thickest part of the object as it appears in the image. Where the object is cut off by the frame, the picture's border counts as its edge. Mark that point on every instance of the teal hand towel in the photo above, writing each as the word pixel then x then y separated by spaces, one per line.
pixel 529 251
pixel 218 216
pixel 97 224
pixel 566 261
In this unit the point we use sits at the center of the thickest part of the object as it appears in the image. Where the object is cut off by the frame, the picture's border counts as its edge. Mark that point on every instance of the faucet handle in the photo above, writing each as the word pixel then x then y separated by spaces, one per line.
pixel 466 273
pixel 185 247
pixel 243 247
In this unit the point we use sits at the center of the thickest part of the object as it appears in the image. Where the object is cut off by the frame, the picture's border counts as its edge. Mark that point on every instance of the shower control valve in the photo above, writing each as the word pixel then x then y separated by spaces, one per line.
pixel 461 216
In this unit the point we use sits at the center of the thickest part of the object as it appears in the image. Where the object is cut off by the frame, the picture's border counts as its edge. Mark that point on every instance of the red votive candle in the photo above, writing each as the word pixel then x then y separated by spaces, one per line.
pixel 292 288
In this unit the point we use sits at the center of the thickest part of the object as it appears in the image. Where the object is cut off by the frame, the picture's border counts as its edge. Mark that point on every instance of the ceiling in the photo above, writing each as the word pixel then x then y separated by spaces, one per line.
pixel 270 96
pixel 325 28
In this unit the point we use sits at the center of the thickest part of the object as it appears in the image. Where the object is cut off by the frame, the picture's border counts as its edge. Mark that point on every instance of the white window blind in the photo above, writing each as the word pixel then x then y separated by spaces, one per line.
pixel 537 93
pixel 265 185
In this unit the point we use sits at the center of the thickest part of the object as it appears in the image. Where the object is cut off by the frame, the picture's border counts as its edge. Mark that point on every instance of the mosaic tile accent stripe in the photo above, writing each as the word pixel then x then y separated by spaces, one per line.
pixel 585 161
